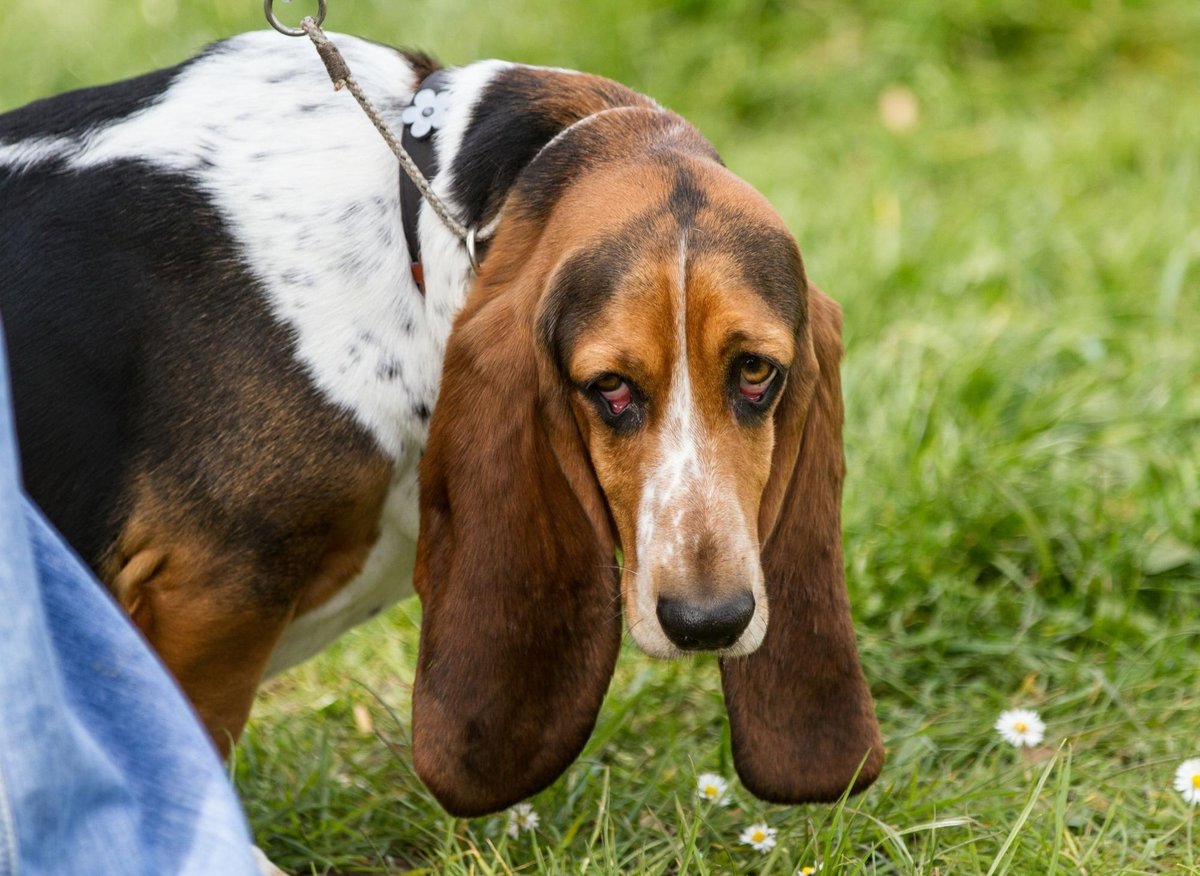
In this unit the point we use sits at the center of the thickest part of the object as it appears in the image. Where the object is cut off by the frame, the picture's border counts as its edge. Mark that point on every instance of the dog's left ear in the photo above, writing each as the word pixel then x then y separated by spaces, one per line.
pixel 801 716
pixel 521 615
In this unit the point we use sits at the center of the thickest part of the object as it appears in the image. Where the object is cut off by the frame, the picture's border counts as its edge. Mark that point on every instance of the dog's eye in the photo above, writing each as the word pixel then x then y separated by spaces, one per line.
pixel 615 392
pixel 755 377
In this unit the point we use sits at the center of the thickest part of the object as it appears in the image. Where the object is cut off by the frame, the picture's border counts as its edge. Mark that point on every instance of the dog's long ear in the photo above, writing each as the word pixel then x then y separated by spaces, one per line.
pixel 800 712
pixel 521 615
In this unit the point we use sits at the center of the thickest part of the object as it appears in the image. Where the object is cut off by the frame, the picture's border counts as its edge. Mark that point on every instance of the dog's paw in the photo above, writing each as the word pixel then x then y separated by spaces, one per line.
pixel 265 867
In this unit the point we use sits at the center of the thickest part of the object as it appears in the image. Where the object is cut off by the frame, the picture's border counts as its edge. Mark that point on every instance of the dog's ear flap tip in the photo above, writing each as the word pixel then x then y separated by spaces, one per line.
pixel 463 806
pixel 453 773
pixel 460 794
pixel 461 800
pixel 763 779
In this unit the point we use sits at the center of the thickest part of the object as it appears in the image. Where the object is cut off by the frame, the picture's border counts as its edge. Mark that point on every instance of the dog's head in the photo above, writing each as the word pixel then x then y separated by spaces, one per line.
pixel 641 365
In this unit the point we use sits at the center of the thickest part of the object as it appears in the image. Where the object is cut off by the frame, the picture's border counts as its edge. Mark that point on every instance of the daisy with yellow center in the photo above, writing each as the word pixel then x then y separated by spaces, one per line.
pixel 1187 780
pixel 521 817
pixel 808 870
pixel 712 788
pixel 1021 727
pixel 760 837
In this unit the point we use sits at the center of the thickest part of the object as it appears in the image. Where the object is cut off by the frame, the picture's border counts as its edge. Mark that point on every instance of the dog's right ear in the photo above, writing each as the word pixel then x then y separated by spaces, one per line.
pixel 801 717
pixel 521 612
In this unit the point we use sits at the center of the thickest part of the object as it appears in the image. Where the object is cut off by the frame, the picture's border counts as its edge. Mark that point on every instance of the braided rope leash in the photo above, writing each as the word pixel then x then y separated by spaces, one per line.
pixel 340 76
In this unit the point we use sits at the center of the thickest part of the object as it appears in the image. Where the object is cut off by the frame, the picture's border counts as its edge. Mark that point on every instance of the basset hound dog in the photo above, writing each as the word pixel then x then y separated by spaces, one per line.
pixel 225 375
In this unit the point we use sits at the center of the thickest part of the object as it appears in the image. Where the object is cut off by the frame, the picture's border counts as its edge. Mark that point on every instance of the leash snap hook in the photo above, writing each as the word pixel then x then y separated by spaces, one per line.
pixel 469 242
pixel 269 11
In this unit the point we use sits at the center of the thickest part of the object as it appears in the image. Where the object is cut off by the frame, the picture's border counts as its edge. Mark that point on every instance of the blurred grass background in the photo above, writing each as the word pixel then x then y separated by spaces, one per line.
pixel 1004 195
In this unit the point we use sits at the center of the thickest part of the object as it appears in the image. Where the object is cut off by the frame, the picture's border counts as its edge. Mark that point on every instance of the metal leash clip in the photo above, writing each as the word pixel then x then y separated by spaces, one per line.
pixel 268 8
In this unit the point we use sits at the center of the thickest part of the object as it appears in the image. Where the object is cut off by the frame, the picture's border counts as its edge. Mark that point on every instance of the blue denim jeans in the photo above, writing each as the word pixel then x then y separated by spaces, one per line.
pixel 104 768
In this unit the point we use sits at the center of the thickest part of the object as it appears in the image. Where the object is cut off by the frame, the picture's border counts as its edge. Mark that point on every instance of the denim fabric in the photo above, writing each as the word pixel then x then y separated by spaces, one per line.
pixel 104 768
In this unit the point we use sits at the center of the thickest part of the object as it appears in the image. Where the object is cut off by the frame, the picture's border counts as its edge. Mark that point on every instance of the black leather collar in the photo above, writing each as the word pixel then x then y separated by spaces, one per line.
pixel 422 151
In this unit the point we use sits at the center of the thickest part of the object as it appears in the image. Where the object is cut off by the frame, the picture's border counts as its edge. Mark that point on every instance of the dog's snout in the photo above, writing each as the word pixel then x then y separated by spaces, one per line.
pixel 705 625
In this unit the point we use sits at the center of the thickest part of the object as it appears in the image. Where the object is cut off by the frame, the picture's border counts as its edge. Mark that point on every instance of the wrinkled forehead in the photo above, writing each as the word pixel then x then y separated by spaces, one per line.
pixel 682 226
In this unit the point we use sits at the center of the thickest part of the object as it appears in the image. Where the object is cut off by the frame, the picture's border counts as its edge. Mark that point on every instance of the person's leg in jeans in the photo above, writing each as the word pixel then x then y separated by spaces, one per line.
pixel 104 768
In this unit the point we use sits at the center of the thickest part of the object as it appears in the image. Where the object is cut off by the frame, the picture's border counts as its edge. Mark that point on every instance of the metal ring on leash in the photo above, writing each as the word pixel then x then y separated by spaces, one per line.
pixel 283 28
pixel 469 242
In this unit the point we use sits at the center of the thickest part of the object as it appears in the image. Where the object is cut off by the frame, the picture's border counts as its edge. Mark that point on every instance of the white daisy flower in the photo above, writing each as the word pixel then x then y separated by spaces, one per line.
pixel 760 837
pixel 713 788
pixel 1187 780
pixel 808 870
pixel 521 817
pixel 1021 727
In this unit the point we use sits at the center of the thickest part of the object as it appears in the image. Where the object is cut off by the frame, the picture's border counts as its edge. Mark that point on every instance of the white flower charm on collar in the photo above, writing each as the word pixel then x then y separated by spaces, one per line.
pixel 426 113
pixel 760 837
pixel 1021 727
pixel 712 788
pixel 1187 780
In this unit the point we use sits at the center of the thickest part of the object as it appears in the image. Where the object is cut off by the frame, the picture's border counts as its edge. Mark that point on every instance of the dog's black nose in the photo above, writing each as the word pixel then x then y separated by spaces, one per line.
pixel 705 626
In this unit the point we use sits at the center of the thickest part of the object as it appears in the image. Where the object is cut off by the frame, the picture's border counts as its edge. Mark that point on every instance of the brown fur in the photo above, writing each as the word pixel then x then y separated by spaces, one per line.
pixel 214 604
pixel 801 715
pixel 520 624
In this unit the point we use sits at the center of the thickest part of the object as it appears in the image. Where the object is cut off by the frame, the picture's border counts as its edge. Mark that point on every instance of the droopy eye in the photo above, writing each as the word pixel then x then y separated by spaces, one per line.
pixel 615 391
pixel 755 376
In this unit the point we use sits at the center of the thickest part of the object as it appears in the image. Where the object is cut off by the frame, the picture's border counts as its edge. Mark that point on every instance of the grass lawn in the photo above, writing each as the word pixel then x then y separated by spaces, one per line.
pixel 1004 195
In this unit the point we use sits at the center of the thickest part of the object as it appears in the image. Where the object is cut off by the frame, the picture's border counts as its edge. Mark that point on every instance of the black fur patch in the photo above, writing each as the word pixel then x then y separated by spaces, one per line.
pixel 139 342
pixel 511 122
pixel 87 108
pixel 687 199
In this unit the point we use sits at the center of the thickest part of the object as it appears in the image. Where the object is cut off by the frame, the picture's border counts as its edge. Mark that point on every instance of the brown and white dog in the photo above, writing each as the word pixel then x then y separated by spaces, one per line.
pixel 225 374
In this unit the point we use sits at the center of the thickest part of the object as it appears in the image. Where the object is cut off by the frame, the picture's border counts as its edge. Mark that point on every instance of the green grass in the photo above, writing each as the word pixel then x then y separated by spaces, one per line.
pixel 1020 274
